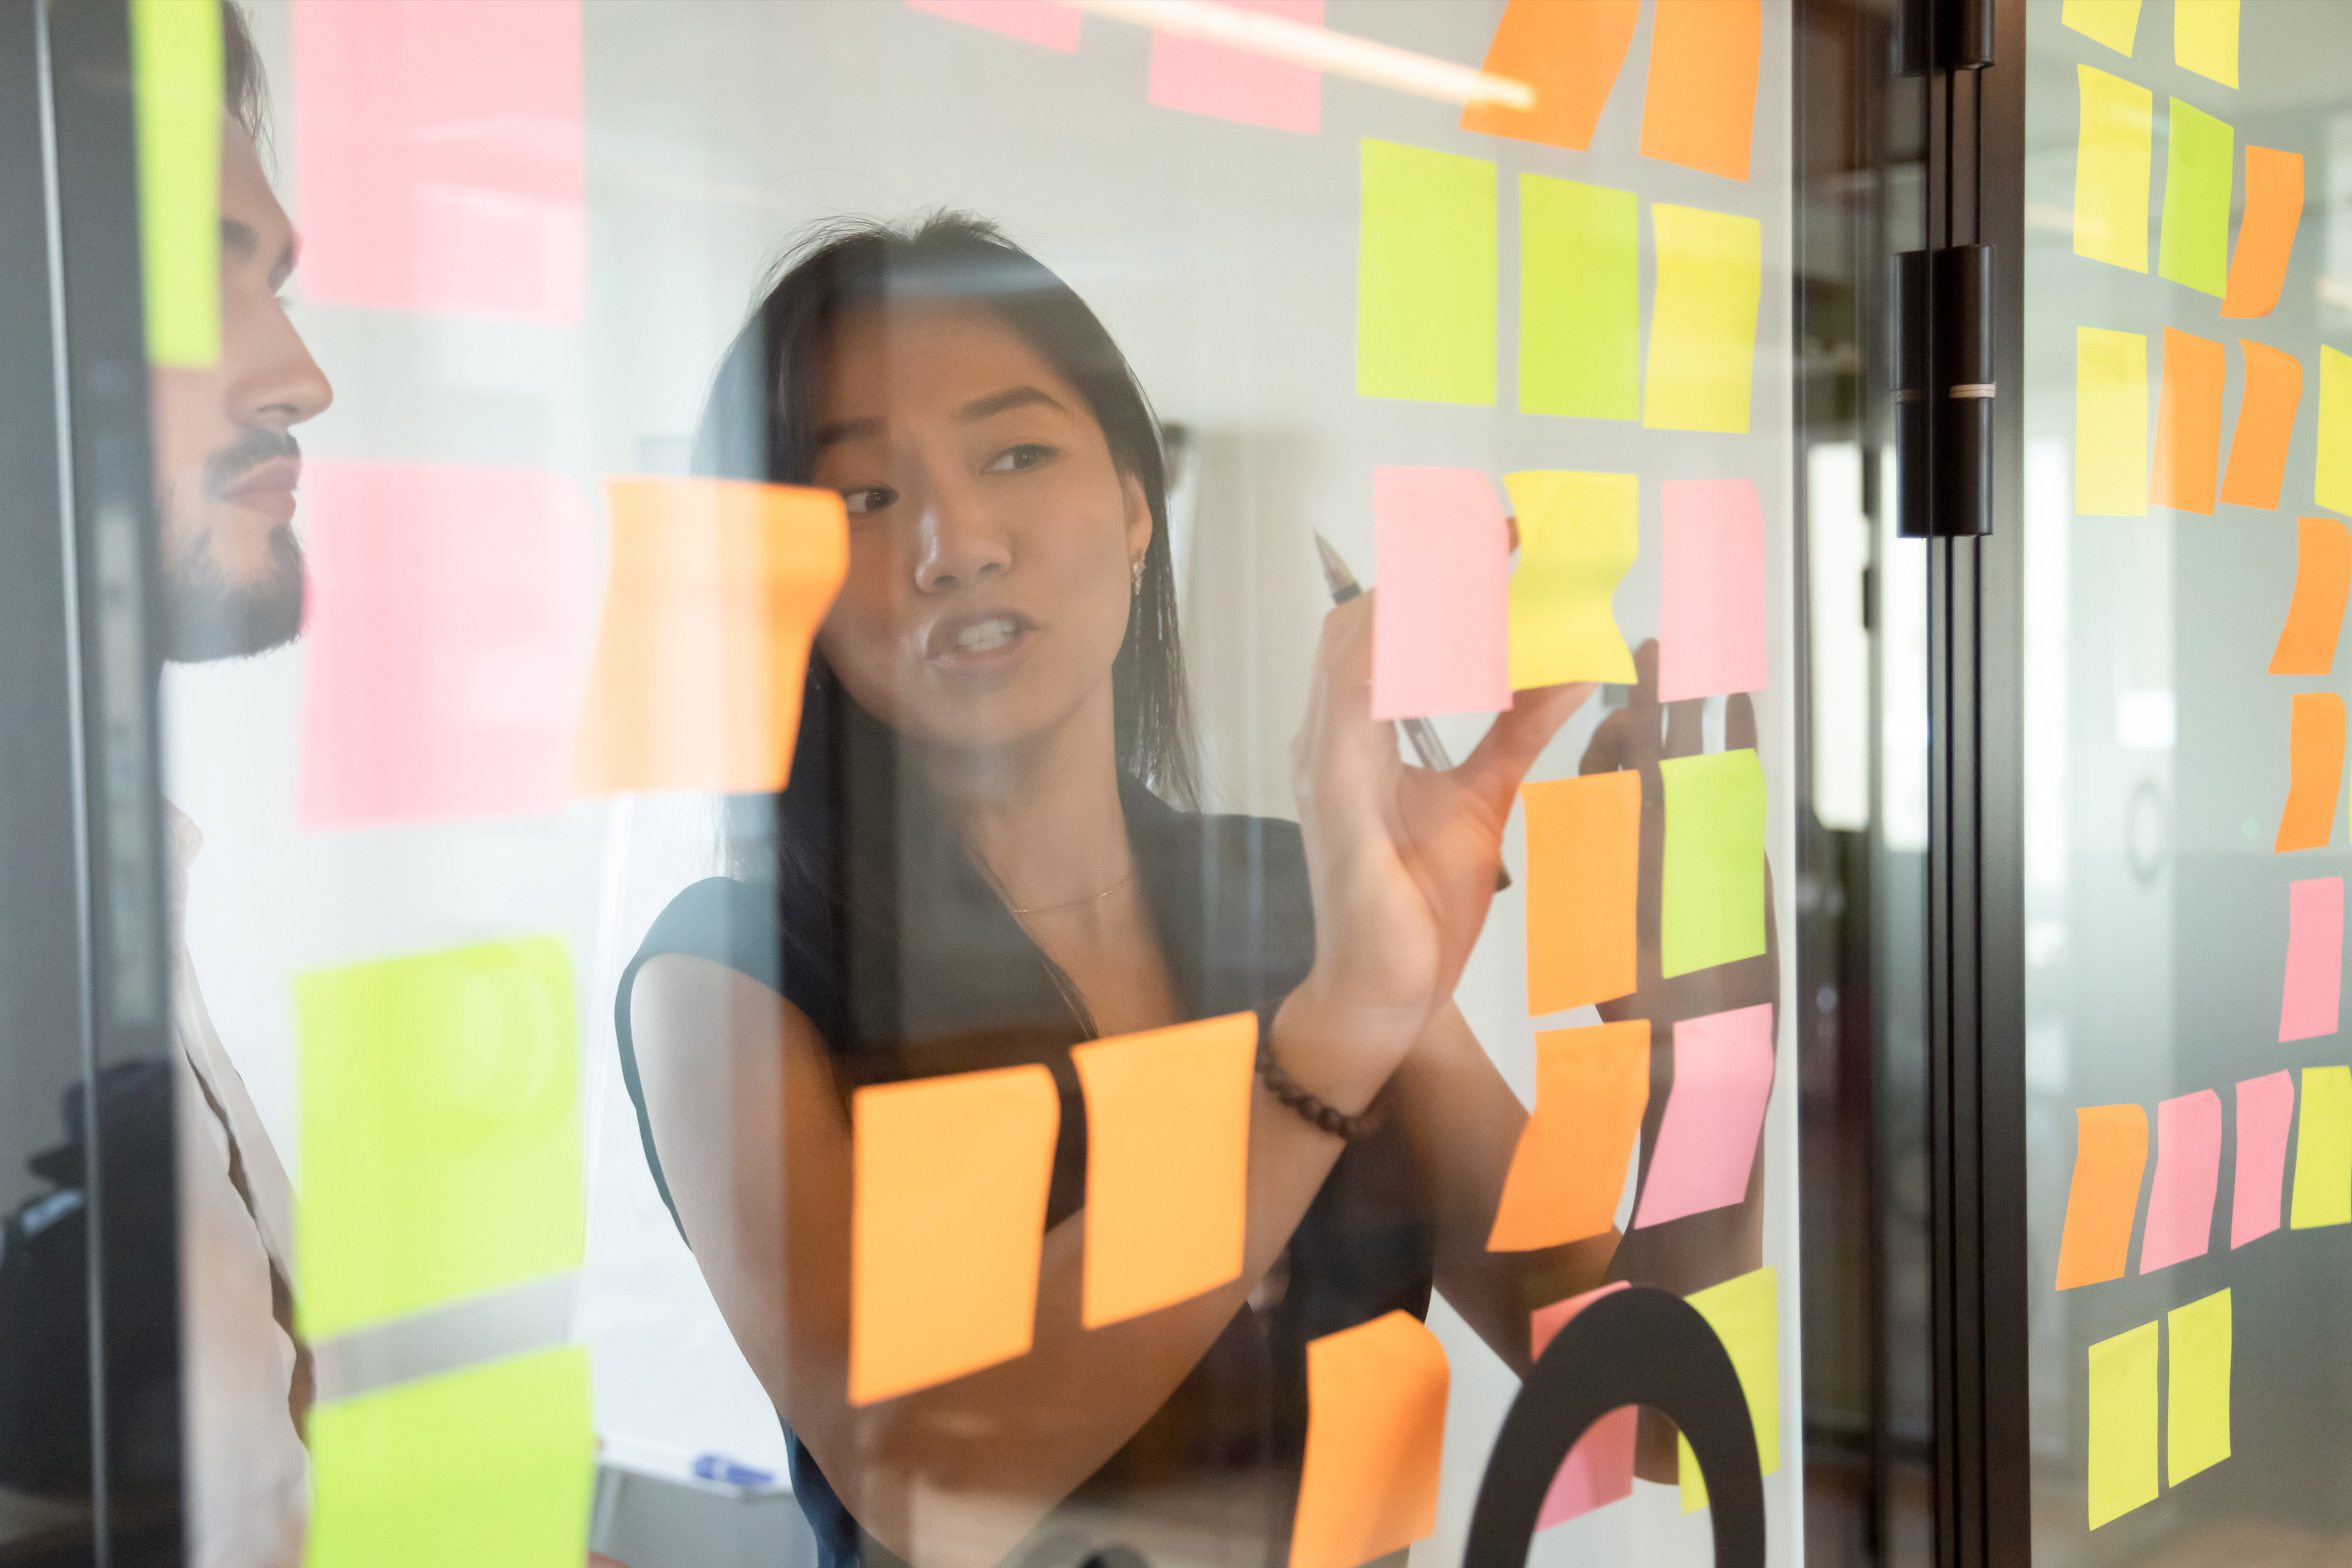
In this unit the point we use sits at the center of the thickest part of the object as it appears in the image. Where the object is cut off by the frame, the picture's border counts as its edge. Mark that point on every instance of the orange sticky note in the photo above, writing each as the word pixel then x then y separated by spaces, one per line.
pixel 2110 1153
pixel 947 1223
pixel 1700 107
pixel 1570 53
pixel 2266 232
pixel 2314 771
pixel 2188 423
pixel 1168 1114
pixel 1584 855
pixel 714 594
pixel 1569 1170
pixel 2323 576
pixel 1375 1432
pixel 2266 419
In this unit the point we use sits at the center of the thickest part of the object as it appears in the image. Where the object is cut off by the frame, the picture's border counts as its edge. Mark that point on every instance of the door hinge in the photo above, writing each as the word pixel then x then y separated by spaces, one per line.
pixel 1943 35
pixel 1943 383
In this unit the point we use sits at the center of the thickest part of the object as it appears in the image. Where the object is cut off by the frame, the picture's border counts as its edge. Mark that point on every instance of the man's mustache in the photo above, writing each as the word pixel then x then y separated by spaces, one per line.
pixel 253 446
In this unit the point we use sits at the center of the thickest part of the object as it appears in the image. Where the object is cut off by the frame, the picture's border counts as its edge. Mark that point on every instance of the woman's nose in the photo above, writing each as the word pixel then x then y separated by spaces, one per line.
pixel 961 544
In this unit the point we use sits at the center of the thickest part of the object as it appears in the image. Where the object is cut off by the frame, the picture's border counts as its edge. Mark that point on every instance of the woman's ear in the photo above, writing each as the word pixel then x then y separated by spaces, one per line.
pixel 1138 516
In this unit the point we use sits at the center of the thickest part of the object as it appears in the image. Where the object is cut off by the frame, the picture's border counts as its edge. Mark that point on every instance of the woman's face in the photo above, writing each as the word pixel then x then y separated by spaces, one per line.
pixel 991 536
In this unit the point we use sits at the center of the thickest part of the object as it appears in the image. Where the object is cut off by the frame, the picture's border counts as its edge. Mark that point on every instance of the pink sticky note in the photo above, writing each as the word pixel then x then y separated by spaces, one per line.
pixel 1202 78
pixel 439 156
pixel 1707 1143
pixel 1042 22
pixel 1599 1469
pixel 1441 631
pixel 2266 1111
pixel 445 640
pixel 1711 593
pixel 2188 1173
pixel 2315 957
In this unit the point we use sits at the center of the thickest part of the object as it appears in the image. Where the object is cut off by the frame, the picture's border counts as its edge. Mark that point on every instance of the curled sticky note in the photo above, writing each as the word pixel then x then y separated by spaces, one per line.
pixel 1168 1114
pixel 1579 300
pixel 2314 771
pixel 1584 855
pixel 2110 22
pixel 1745 1313
pixel 1203 78
pixel 2114 151
pixel 2323 1150
pixel 2315 616
pixel 1699 109
pixel 176 79
pixel 2110 1154
pixel 2265 231
pixel 2110 423
pixel 2120 1447
pixel 2332 483
pixel 715 591
pixel 1598 1469
pixel 1569 1170
pixel 1570 53
pixel 1578 537
pixel 2199 157
pixel 1045 22
pixel 1715 1114
pixel 1375 1434
pixel 2188 423
pixel 2205 38
pixel 1711 638
pixel 1701 362
pixel 1711 899
pixel 2197 1408
pixel 1425 275
pixel 1441 638
pixel 2265 1111
pixel 2315 957
pixel 2265 420
pixel 2188 1176
pixel 946 1225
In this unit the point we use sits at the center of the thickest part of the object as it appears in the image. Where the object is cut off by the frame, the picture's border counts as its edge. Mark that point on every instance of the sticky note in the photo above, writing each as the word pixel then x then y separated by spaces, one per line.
pixel 1440 633
pixel 2315 616
pixel 2197 1387
pixel 2201 155
pixel 1699 107
pixel 2315 957
pixel 1045 22
pixel 175 80
pixel 440 1099
pixel 2323 1150
pixel 1598 1469
pixel 1168 1114
pixel 1569 1170
pixel 1375 1432
pixel 2110 423
pixel 2314 771
pixel 2121 1443
pixel 441 163
pixel 2113 152
pixel 1202 78
pixel 2266 405
pixel 1571 54
pixel 1711 598
pixel 2188 1176
pixel 1702 364
pixel 2205 38
pixel 1579 300
pixel 1715 1113
pixel 2265 231
pixel 2110 1153
pixel 713 600
pixel 1425 275
pixel 1578 536
pixel 492 1466
pixel 1584 855
pixel 2188 423
pixel 2266 1108
pixel 447 638
pixel 1712 900
pixel 2332 484
pixel 1745 1313
pixel 2110 22
pixel 947 1224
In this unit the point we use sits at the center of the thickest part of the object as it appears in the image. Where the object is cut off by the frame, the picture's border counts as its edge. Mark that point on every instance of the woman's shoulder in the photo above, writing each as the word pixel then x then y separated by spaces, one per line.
pixel 725 919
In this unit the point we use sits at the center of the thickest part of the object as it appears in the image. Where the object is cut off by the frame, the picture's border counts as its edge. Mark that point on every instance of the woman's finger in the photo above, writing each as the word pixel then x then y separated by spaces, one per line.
pixel 1642 713
pixel 1518 737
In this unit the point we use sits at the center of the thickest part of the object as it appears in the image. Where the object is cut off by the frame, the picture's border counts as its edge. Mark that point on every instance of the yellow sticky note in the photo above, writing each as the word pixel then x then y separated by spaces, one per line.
pixel 2110 22
pixel 1578 536
pixel 1745 1313
pixel 1579 300
pixel 1702 364
pixel 175 74
pixel 2332 483
pixel 2323 1150
pixel 2112 159
pixel 2205 38
pixel 2122 1441
pixel 493 1466
pixel 2110 423
pixel 1425 275
pixel 2197 1388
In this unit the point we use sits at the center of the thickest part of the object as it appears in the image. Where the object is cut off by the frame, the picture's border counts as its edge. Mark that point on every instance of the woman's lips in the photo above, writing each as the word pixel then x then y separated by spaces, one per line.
pixel 975 643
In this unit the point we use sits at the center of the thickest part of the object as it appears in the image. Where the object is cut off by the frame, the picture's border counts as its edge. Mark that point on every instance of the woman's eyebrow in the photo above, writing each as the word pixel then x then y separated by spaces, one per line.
pixel 847 430
pixel 988 407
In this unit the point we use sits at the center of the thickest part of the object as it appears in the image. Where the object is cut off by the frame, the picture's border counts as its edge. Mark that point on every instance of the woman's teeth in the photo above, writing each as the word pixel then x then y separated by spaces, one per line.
pixel 986 637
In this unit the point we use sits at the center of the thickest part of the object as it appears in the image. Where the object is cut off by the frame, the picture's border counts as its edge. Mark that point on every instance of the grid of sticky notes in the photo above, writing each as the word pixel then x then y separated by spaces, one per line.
pixel 2186 1367
pixel 1375 1434
pixel 2120 472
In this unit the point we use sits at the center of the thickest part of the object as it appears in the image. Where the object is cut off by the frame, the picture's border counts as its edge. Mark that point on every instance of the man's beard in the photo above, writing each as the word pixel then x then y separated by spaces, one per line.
pixel 206 616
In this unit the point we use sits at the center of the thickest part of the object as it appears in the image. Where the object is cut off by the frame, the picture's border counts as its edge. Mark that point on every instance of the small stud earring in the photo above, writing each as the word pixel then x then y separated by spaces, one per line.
pixel 1135 575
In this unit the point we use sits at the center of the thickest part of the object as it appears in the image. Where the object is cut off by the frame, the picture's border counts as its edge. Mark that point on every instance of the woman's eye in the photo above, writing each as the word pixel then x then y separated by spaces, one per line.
pixel 867 498
pixel 1028 455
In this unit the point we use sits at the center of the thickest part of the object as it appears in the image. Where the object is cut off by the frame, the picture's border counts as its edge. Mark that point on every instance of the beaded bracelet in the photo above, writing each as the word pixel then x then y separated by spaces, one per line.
pixel 1283 1088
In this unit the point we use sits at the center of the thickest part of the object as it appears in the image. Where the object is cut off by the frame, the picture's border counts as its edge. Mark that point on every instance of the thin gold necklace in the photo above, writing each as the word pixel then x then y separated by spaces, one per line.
pixel 1073 904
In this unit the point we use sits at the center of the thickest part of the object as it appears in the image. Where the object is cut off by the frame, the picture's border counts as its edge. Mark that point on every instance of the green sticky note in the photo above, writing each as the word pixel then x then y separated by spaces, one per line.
pixel 2114 148
pixel 493 1466
pixel 1713 902
pixel 2110 423
pixel 1425 270
pixel 440 1100
pixel 2197 1388
pixel 1702 365
pixel 2122 1442
pixel 175 73
pixel 1745 1314
pixel 2333 484
pixel 2110 22
pixel 2200 153
pixel 2323 1150
pixel 1579 300
pixel 2205 38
